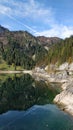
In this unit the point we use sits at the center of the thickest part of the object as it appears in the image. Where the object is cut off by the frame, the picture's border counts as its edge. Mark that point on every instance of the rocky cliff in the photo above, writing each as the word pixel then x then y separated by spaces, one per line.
pixel 65 98
pixel 47 42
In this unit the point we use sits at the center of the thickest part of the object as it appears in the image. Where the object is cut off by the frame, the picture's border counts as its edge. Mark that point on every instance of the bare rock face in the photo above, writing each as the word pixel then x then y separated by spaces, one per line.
pixel 3 30
pixel 65 98
pixel 64 66
pixel 71 66
pixel 48 41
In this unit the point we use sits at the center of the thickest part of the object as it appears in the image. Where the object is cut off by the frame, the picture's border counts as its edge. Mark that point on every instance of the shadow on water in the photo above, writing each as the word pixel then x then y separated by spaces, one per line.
pixel 22 92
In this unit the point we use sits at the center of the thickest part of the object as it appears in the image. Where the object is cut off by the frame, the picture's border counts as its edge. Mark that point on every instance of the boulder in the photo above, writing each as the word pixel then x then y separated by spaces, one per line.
pixel 64 66
pixel 71 67
pixel 65 98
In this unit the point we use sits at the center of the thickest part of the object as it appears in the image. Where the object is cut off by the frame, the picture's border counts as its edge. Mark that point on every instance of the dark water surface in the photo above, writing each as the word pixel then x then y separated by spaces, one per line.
pixel 26 104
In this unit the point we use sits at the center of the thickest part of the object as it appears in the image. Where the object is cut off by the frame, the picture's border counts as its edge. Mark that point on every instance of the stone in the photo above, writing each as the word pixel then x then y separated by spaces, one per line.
pixel 65 98
pixel 64 66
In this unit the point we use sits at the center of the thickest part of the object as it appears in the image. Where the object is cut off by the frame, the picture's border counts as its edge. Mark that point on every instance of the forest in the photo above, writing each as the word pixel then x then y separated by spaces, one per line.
pixel 22 51
pixel 61 52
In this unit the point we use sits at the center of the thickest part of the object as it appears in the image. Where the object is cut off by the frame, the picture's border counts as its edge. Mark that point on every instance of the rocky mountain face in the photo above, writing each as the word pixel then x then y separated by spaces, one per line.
pixel 3 30
pixel 48 41
pixel 22 35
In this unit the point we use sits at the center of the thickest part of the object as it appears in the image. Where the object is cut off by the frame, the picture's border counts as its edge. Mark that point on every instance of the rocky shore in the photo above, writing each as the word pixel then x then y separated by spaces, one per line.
pixel 65 98
pixel 63 75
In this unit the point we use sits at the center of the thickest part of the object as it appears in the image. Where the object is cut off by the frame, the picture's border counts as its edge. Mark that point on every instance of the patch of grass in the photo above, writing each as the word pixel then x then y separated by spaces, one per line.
pixel 5 66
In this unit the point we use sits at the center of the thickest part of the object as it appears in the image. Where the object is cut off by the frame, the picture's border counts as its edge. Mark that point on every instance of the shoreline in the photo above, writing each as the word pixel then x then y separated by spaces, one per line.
pixel 38 75
pixel 64 100
pixel 15 72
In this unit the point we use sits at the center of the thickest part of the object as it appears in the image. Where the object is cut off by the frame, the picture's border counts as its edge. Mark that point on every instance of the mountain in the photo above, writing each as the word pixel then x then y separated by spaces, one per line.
pixel 3 30
pixel 21 49
pixel 47 42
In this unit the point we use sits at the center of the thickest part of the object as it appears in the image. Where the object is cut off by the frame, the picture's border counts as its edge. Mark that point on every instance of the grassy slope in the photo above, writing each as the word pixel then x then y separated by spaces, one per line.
pixel 5 66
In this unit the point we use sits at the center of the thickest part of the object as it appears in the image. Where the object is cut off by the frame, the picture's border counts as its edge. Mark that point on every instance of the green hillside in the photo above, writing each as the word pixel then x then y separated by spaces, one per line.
pixel 20 49
pixel 61 52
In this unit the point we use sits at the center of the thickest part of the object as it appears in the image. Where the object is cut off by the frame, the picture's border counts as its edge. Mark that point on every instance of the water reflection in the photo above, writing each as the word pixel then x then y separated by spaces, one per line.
pixel 22 92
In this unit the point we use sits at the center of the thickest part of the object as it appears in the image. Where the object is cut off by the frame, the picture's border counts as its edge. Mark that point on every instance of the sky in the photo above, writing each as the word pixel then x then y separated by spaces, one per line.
pixel 50 18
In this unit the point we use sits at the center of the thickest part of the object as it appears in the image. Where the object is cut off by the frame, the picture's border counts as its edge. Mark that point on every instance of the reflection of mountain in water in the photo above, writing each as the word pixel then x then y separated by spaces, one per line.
pixel 20 93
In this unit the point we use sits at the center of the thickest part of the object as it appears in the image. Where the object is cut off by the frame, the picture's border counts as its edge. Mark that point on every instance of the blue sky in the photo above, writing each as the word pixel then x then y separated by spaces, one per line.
pixel 39 17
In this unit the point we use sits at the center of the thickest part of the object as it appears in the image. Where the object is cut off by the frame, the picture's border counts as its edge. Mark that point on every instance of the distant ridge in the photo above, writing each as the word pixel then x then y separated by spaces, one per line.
pixel 3 29
pixel 48 41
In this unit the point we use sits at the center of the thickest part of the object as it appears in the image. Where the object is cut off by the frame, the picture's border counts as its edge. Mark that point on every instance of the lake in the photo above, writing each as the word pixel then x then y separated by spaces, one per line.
pixel 26 104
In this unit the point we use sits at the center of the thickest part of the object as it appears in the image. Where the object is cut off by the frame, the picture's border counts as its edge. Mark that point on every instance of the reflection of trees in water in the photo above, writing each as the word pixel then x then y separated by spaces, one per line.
pixel 23 92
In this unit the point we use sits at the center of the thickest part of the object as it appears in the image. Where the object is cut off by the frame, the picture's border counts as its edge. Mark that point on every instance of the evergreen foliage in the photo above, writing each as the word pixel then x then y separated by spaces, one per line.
pixel 61 52
pixel 20 53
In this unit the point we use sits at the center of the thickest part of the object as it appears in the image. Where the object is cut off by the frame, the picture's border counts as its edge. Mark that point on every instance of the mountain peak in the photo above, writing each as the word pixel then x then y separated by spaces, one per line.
pixel 3 29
